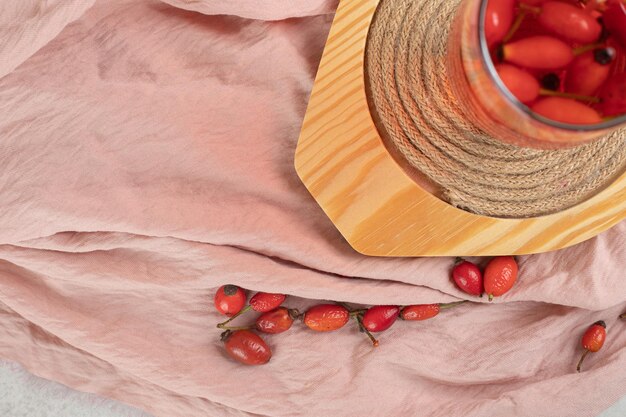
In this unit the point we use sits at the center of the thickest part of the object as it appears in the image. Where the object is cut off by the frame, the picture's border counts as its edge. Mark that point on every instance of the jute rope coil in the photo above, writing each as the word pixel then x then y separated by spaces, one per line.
pixel 415 110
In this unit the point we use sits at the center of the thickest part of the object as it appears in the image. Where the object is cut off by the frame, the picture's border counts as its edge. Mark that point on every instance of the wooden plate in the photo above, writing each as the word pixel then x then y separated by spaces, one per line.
pixel 374 203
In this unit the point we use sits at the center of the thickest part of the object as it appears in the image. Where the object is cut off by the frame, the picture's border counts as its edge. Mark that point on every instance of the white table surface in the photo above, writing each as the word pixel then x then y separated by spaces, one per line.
pixel 25 395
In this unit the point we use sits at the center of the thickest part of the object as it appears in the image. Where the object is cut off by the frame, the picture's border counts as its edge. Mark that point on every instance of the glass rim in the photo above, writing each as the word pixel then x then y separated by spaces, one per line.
pixel 493 75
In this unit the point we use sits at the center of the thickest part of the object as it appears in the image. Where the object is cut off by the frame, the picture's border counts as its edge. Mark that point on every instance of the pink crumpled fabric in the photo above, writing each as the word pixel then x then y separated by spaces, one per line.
pixel 146 157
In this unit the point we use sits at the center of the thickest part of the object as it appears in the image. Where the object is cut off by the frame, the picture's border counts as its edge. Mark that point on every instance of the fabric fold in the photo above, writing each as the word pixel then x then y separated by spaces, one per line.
pixel 27 25
pixel 258 9
pixel 147 158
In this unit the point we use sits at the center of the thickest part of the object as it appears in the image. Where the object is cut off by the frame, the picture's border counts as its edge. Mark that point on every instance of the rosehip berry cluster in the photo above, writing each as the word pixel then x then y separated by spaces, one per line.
pixel 241 343
pixel 247 347
pixel 244 345
pixel 565 60
pixel 499 277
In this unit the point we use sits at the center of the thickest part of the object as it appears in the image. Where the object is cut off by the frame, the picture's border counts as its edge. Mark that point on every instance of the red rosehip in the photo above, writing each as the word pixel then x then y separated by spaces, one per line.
pixel 566 110
pixel 380 318
pixel 500 275
pixel 265 301
pixel 468 278
pixel 326 317
pixel 592 340
pixel 275 321
pixel 246 347
pixel 229 299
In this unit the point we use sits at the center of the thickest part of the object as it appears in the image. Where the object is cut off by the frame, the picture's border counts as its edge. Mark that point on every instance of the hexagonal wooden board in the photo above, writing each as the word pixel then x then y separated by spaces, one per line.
pixel 374 203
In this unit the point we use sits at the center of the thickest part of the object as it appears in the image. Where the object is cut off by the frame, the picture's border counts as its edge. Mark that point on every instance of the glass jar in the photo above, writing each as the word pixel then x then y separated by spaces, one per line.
pixel 489 103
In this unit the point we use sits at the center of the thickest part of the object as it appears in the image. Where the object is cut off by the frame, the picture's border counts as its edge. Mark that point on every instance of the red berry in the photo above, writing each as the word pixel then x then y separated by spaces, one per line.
pixel 265 301
pixel 569 22
pixel 498 20
pixel 613 96
pixel 594 337
pixel 538 52
pixel 380 318
pixel 520 83
pixel 419 312
pixel 614 19
pixel 566 110
pixel 589 71
pixel 326 317
pixel 500 275
pixel 246 347
pixel 592 340
pixel 229 299
pixel 468 278
pixel 275 321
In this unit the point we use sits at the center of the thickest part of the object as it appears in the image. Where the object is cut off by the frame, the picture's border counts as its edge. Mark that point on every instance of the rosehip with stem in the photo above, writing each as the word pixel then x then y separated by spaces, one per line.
pixel 537 52
pixel 520 83
pixel 526 88
pixel 229 299
pixel 357 314
pixel 246 347
pixel 261 302
pixel 589 71
pixel 592 340
pixel 326 317
pixel 569 22
pixel 380 318
pixel 276 321
pixel 418 312
pixel 566 110
pixel 500 275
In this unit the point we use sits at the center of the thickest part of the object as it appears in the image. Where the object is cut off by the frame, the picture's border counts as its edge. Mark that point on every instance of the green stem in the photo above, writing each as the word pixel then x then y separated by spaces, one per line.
pixel 344 305
pixel 528 8
pixel 242 311
pixel 580 97
pixel 490 297
pixel 357 312
pixel 586 48
pixel 367 332
pixel 232 329
pixel 445 306
pixel 351 311
pixel 580 362
pixel 518 22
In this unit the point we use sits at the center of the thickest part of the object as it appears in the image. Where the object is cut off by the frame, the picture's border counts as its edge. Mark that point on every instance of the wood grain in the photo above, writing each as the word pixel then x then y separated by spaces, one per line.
pixel 374 203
